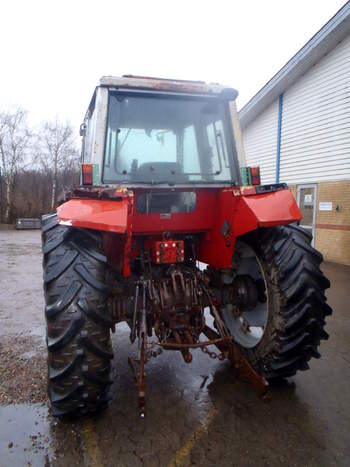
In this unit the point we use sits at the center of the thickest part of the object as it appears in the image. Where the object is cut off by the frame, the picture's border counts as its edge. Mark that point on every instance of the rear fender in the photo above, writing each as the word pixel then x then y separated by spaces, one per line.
pixel 265 210
pixel 241 211
pixel 105 215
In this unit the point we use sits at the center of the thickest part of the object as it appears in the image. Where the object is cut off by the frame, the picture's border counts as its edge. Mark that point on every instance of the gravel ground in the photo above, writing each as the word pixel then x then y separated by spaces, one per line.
pixel 22 326
pixel 23 370
pixel 21 288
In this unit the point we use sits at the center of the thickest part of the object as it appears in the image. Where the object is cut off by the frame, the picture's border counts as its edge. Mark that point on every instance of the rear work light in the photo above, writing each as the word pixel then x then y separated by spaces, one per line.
pixel 250 175
pixel 87 174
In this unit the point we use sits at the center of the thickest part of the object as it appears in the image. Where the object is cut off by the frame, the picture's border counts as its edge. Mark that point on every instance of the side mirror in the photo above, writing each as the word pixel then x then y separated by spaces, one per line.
pixel 82 129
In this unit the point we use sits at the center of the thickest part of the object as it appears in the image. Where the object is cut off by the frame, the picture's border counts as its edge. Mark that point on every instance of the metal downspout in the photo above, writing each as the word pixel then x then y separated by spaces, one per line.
pixel 279 133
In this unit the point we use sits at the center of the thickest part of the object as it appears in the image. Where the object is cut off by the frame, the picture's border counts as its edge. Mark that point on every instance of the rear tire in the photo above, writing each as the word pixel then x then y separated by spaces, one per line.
pixel 77 318
pixel 295 290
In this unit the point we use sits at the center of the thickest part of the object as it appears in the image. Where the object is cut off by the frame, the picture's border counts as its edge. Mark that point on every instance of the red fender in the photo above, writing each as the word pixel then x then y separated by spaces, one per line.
pixel 109 216
pixel 265 210
pixel 240 211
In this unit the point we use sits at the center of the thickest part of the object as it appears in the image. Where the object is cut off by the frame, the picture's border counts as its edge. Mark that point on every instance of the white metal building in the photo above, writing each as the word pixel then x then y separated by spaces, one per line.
pixel 297 128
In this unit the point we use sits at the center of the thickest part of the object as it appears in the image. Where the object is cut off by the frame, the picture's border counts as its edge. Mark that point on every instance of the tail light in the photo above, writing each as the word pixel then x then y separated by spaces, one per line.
pixel 255 175
pixel 250 175
pixel 87 175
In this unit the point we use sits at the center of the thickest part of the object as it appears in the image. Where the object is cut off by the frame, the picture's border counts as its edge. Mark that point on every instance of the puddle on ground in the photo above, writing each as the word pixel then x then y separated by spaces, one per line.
pixel 24 435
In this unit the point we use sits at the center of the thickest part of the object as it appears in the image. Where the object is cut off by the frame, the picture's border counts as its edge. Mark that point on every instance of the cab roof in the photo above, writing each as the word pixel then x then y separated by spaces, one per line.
pixel 171 85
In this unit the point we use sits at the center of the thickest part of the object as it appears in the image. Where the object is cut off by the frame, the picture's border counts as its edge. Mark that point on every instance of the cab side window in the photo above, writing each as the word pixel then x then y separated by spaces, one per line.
pixel 90 123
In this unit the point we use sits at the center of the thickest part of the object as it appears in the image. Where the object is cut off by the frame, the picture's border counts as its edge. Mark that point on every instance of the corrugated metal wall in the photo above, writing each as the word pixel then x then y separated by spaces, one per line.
pixel 315 144
pixel 260 140
pixel 315 140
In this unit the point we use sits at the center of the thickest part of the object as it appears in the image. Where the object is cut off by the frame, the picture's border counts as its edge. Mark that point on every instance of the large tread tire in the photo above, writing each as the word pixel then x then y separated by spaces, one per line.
pixel 77 318
pixel 297 305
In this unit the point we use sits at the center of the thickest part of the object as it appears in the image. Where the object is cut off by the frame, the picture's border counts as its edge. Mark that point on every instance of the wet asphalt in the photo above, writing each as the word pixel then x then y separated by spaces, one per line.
pixel 197 414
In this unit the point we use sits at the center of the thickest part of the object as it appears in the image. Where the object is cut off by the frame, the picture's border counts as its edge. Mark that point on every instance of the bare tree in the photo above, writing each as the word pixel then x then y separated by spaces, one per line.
pixel 58 151
pixel 14 142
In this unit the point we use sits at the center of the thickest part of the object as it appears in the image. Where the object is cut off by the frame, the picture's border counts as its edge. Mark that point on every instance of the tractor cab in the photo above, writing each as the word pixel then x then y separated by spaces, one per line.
pixel 148 131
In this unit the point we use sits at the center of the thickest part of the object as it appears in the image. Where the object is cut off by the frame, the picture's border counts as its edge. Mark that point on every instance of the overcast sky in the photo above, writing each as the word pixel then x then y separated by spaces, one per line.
pixel 53 52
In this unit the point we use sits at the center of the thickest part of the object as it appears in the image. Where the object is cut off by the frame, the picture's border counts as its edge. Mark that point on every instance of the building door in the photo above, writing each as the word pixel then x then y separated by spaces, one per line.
pixel 306 198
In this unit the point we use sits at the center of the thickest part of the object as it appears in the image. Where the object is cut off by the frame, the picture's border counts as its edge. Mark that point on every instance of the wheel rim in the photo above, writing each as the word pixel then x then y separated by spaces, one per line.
pixel 247 325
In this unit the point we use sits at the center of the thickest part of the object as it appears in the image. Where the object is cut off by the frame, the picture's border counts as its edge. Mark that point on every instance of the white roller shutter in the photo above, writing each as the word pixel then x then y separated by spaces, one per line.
pixel 260 140
pixel 315 144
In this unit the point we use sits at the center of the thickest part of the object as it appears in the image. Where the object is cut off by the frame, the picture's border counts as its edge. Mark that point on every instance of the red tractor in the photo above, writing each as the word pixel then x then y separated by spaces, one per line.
pixel 168 233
